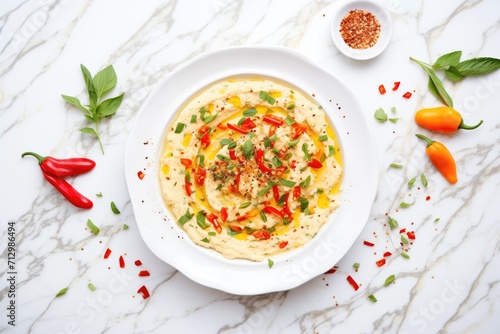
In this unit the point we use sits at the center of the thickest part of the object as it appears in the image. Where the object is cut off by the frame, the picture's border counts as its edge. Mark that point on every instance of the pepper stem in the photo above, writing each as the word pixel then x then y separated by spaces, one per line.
pixel 469 127
pixel 428 140
pixel 37 156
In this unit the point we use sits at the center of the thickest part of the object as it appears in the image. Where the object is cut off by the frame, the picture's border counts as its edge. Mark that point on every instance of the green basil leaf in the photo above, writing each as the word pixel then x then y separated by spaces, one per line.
pixel 250 112
pixel 110 106
pixel 380 115
pixel 76 102
pixel 287 183
pixel 185 218
pixel 304 203
pixel 293 142
pixel 437 87
pixel 424 180
pixel 87 77
pixel 104 81
pixel 179 127
pixel 453 74
pixel 449 59
pixel 200 220
pixel 393 223
pixel 89 131
pixel 304 184
pixel 478 66
pixel 247 149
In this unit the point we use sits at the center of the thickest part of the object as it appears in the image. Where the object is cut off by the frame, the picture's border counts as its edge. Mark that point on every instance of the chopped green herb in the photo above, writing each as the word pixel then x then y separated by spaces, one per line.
pixel 322 158
pixel 331 150
pixel 264 190
pixel 245 205
pixel 290 106
pixel 274 137
pixel 277 162
pixel 372 298
pixel 293 142
pixel 62 292
pixel 201 160
pixel 114 208
pixel 270 263
pixel 241 120
pixel 437 219
pixel 289 121
pixel 193 118
pixel 393 223
pixel 403 239
pixel 266 97
pixel 405 205
pixel 99 194
pixel 91 286
pixel 395 165
pixel 424 180
pixel 250 112
pixel 356 265
pixel 320 191
pixel 393 109
pixel 247 148
pixel 323 138
pixel 287 183
pixel 380 115
pixel 393 120
pixel 94 229
pixel 304 203
pixel 200 220
pixel 205 240
pixel 185 218
pixel 180 127
pixel 304 184
pixel 263 216
pixel 267 142
pixel 406 256
pixel 271 229
pixel 389 280
pixel 212 233
pixel 305 148
pixel 411 182
pixel 125 226
pixel 222 157
pixel 207 119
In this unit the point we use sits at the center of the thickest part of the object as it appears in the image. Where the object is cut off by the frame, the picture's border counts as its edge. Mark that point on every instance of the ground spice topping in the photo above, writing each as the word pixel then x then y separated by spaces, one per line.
pixel 360 29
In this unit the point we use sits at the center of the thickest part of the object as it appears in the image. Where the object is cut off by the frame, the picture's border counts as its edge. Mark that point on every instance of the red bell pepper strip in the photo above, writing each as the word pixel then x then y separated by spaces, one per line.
pixel 237 128
pixel 296 193
pixel 297 130
pixel 144 291
pixel 261 235
pixel 70 193
pixel 122 262
pixel 62 167
pixel 276 193
pixel 200 175
pixel 396 85
pixel 352 282
pixel 213 219
pixel 272 210
pixel 223 214
pixel 187 185
pixel 286 208
pixel 107 253
pixel 248 124
pixel 381 89
pixel 186 162
pixel 273 120
pixel 315 163
pixel 232 155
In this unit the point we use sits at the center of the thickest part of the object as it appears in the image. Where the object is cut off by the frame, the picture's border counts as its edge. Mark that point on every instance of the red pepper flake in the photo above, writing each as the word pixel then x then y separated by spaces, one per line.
pixel 411 235
pixel 138 262
pixel 381 89
pixel 386 254
pixel 144 291
pixel 140 174
pixel 380 262
pixel 283 244
pixel 353 283
pixel 107 253
pixel 428 198
pixel 122 262
pixel 396 85
pixel 403 230
pixel 367 243
pixel 407 95
pixel 144 273
pixel 332 270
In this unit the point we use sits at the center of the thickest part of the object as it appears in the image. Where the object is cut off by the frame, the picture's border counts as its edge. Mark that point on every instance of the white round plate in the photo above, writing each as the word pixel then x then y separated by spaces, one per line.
pixel 169 242
pixel 384 18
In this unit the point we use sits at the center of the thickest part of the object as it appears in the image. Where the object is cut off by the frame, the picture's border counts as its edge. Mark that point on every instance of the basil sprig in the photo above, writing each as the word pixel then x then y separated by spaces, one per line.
pixel 97 87
pixel 455 70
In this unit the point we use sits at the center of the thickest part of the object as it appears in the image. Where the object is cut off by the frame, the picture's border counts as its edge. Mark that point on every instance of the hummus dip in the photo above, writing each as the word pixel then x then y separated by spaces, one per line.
pixel 250 168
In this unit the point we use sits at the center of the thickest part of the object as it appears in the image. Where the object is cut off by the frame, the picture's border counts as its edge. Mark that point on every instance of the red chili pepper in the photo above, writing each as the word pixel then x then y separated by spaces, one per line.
pixel 261 235
pixel 107 253
pixel 237 128
pixel 411 235
pixel 381 89
pixel 286 208
pixel 223 214
pixel 283 244
pixel 186 162
pixel 144 273
pixel 70 193
pixel 296 193
pixel 200 175
pixel 259 158
pixel 276 193
pixel 407 95
pixel 396 85
pixel 232 155
pixel 205 140
pixel 272 210
pixel 380 262
pixel 213 219
pixel 386 254
pixel 353 283
pixel 187 185
pixel 367 243
pixel 403 230
pixel 144 291
pixel 62 167
pixel 296 130
pixel 235 228
pixel 272 131
pixel 331 271
pixel 273 120
pixel 248 124
pixel 138 262
pixel 122 262
pixel 315 163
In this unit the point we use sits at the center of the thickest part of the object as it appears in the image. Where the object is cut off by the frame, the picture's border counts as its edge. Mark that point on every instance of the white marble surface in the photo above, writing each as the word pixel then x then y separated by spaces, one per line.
pixel 449 284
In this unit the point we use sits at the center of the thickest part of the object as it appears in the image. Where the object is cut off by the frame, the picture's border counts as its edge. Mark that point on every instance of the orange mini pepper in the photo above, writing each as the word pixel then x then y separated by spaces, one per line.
pixel 441 158
pixel 442 119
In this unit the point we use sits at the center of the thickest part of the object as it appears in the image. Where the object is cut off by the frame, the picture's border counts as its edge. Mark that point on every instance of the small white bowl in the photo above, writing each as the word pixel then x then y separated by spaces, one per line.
pixel 383 17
